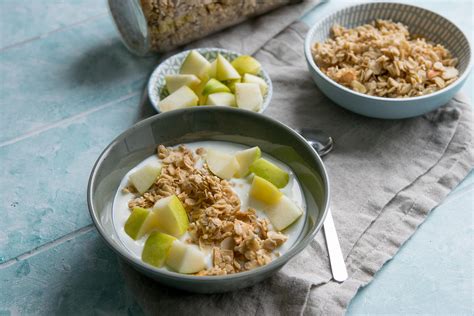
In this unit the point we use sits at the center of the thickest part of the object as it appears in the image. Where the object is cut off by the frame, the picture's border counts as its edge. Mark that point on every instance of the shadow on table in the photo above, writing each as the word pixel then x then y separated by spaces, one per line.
pixel 110 62
pixel 145 109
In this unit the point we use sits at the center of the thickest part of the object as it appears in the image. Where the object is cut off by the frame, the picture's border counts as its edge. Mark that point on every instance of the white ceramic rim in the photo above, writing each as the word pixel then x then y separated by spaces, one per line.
pixel 388 101
pixel 154 101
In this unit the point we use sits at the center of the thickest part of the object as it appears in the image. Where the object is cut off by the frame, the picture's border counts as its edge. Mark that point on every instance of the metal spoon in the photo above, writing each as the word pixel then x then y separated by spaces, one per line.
pixel 318 139
pixel 323 144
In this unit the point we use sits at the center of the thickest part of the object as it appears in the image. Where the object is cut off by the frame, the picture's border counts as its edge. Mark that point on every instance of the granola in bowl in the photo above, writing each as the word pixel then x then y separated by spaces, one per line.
pixel 209 208
pixel 383 59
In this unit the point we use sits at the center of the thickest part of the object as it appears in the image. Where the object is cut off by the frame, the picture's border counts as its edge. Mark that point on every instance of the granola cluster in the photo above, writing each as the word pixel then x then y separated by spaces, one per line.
pixel 238 239
pixel 173 22
pixel 383 59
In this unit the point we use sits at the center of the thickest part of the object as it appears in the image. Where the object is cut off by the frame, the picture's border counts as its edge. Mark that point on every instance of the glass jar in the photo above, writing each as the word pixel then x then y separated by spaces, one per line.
pixel 148 26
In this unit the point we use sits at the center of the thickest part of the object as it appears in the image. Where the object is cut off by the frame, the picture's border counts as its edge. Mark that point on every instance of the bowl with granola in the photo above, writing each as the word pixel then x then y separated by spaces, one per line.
pixel 207 199
pixel 388 60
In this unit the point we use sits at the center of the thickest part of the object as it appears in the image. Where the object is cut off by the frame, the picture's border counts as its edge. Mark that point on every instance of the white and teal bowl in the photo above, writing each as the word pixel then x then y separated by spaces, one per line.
pixel 157 86
pixel 419 21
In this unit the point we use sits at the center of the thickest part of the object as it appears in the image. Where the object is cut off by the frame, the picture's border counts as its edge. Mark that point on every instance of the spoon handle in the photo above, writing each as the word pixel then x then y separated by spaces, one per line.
pixel 338 267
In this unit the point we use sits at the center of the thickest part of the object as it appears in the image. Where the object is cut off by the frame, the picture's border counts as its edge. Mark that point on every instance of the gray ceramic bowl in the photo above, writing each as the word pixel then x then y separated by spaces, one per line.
pixel 419 21
pixel 207 123
pixel 171 66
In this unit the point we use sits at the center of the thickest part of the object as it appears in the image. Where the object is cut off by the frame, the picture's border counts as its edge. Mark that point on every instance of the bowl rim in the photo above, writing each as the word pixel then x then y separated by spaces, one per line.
pixel 170 275
pixel 158 69
pixel 388 101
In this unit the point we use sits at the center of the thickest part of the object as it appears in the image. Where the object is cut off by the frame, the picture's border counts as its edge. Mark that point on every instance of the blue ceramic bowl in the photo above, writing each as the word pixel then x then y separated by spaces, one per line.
pixel 208 123
pixel 419 21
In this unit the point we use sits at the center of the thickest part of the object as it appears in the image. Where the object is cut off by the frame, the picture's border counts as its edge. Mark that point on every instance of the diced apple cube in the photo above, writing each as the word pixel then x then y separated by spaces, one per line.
pixel 182 98
pixel 221 164
pixel 174 82
pixel 283 214
pixel 248 78
pixel 221 98
pixel 245 158
pixel 196 64
pixel 172 217
pixel 185 258
pixel 156 248
pixel 214 86
pixel 140 222
pixel 224 70
pixel 246 64
pixel 248 96
pixel 264 191
pixel 213 69
pixel 144 177
pixel 270 172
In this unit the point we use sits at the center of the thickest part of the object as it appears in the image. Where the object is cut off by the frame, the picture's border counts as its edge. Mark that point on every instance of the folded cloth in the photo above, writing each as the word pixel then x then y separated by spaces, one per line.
pixel 386 176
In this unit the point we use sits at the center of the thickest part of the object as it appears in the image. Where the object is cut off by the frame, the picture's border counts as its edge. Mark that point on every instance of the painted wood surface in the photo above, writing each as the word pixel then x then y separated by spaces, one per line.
pixel 68 87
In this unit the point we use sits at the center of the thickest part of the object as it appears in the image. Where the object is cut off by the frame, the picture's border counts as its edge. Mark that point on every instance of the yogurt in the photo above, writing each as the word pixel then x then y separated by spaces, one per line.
pixel 293 190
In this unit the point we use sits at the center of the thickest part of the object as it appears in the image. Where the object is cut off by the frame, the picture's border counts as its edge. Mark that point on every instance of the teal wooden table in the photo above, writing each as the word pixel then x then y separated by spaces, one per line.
pixel 67 88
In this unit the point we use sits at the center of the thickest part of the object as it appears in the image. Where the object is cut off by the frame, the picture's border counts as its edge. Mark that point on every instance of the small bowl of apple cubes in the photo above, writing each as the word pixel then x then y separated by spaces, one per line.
pixel 210 77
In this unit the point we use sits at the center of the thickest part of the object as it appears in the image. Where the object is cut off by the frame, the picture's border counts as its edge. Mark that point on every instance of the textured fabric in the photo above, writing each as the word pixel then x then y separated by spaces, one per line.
pixel 385 175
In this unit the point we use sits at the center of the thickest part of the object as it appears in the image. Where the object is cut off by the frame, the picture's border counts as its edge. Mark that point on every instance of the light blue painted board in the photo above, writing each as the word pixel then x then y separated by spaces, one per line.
pixel 44 178
pixel 24 20
pixel 433 272
pixel 401 281
pixel 64 74
pixel 79 277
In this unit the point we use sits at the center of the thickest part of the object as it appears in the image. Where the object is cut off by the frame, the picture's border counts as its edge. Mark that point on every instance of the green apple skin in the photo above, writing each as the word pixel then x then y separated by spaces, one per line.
pixel 245 158
pixel 144 177
pixel 140 222
pixel 156 248
pixel 221 164
pixel 248 96
pixel 283 214
pixel 214 86
pixel 185 258
pixel 172 217
pixel 196 64
pixel 174 82
pixel 271 172
pixel 221 99
pixel 246 64
pixel 264 191
pixel 135 222
pixel 182 98
pixel 248 78
pixel 224 70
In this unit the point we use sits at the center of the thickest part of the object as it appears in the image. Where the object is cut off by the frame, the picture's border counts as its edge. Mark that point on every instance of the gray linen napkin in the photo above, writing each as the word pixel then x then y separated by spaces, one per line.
pixel 385 177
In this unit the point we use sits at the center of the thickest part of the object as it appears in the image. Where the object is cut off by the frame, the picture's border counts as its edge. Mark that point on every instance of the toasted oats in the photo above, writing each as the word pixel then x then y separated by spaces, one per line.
pixel 383 59
pixel 172 23
pixel 238 238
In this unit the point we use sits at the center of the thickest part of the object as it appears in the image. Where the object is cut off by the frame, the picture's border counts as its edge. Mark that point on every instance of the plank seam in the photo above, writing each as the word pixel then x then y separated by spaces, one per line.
pixel 34 38
pixel 46 246
pixel 67 121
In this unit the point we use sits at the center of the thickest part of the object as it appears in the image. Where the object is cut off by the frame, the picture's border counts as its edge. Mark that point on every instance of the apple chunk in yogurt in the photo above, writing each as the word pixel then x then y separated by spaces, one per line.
pixel 213 208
